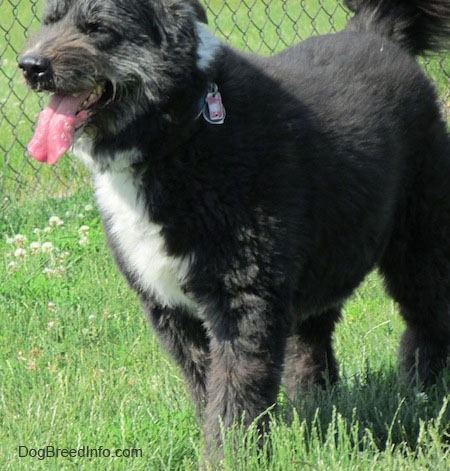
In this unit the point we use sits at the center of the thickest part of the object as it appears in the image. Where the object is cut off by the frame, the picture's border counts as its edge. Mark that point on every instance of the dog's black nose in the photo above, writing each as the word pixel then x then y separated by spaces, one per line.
pixel 36 69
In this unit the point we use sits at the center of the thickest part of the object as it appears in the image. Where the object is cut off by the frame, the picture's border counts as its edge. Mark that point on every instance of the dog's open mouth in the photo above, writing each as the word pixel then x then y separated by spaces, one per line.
pixel 58 122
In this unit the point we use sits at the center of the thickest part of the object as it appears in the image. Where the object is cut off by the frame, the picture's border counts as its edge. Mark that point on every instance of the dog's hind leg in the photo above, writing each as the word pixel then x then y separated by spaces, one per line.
pixel 185 339
pixel 309 360
pixel 416 267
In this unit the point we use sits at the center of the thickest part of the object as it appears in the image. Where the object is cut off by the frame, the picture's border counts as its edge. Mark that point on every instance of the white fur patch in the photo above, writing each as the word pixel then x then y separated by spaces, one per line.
pixel 119 162
pixel 208 47
pixel 139 240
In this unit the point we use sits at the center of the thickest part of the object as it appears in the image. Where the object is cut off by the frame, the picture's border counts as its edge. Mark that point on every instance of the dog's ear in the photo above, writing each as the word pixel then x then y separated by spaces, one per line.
pixel 353 5
pixel 199 10
pixel 193 6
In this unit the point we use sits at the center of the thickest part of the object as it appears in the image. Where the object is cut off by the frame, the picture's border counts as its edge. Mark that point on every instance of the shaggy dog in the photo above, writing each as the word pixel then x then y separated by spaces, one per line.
pixel 245 197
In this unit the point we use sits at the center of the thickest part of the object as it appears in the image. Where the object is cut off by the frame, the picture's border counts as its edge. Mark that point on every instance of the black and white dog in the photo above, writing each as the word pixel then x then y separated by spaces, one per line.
pixel 244 197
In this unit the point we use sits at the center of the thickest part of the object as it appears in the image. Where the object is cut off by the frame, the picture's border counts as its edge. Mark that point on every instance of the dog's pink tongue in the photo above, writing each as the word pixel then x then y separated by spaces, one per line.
pixel 56 128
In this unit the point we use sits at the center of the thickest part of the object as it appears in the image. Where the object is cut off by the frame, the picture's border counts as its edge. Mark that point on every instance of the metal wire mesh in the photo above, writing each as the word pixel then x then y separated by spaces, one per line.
pixel 261 26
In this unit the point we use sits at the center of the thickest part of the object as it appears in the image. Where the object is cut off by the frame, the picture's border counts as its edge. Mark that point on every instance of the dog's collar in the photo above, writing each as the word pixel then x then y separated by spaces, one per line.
pixel 211 106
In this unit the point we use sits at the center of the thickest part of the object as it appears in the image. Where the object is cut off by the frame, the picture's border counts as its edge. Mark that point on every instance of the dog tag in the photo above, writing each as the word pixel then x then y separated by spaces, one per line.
pixel 214 111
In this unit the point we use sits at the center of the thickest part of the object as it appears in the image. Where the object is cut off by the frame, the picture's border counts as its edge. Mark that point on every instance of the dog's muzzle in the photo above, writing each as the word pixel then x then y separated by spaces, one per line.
pixel 37 71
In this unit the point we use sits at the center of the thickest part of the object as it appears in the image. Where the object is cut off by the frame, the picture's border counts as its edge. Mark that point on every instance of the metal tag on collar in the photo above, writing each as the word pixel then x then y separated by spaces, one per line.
pixel 214 111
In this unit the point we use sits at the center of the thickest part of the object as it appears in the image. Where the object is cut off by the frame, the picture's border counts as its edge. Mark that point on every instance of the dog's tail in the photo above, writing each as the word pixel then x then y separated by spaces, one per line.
pixel 419 26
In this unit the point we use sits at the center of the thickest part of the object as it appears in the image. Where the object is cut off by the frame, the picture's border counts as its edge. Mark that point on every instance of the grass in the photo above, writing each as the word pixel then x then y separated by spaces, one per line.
pixel 79 366
pixel 268 26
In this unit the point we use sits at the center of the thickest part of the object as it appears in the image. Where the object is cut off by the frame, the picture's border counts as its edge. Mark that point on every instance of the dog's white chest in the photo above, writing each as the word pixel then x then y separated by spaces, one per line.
pixel 139 242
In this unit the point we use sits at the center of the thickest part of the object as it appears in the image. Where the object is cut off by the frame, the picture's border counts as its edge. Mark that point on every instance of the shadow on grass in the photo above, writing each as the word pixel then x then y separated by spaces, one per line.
pixel 376 404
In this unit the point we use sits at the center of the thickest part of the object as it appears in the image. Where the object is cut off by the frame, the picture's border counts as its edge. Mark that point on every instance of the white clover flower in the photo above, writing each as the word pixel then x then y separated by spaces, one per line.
pixel 88 207
pixel 35 247
pixel 47 229
pixel 51 324
pixel 83 230
pixel 84 241
pixel 12 267
pixel 51 306
pixel 55 221
pixel 20 240
pixel 20 253
pixel 62 257
pixel 47 247
pixel 36 231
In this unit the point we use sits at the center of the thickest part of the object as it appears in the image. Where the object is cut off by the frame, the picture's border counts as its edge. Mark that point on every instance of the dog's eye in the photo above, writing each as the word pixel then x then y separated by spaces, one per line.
pixel 100 32
pixel 95 28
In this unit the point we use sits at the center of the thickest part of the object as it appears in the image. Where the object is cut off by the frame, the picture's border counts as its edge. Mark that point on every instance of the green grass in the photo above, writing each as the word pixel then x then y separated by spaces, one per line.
pixel 79 365
pixel 269 26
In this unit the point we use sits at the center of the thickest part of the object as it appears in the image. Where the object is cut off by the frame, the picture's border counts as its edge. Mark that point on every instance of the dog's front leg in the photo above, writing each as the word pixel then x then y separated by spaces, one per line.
pixel 185 339
pixel 247 347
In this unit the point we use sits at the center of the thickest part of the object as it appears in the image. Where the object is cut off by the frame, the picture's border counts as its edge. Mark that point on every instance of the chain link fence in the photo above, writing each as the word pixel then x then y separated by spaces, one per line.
pixel 261 26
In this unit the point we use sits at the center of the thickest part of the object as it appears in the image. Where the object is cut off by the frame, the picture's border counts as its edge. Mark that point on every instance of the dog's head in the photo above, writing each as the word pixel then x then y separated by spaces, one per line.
pixel 108 62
